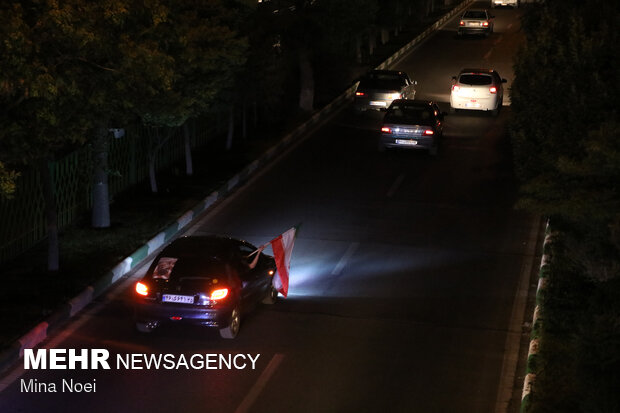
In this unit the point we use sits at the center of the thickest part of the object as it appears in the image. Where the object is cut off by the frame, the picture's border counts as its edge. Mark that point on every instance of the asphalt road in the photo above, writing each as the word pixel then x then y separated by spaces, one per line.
pixel 407 281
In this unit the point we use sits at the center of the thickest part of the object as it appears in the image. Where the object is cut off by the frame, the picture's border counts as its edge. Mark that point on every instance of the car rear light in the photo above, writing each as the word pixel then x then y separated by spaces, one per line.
pixel 271 272
pixel 485 24
pixel 385 129
pixel 429 132
pixel 461 23
pixel 493 89
pixel 142 289
pixel 176 318
pixel 455 88
pixel 219 294
pixel 360 94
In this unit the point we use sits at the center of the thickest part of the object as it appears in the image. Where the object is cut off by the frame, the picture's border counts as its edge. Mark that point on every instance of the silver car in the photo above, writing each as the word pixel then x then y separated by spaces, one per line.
pixel 476 22
pixel 379 88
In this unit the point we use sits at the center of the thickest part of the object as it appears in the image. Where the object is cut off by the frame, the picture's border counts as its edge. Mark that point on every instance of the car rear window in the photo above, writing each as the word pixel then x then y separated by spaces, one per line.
pixel 475 15
pixel 475 79
pixel 382 84
pixel 398 113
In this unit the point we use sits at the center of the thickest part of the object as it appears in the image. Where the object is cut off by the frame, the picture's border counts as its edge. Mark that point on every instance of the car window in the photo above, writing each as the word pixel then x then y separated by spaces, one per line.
pixel 475 79
pixel 475 15
pixel 409 113
pixel 382 84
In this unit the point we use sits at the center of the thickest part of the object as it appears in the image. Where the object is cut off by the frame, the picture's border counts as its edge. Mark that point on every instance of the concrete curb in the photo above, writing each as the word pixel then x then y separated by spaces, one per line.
pixel 44 329
pixel 532 355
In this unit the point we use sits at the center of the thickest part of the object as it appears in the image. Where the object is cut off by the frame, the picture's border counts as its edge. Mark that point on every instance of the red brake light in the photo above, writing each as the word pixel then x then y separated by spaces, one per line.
pixel 385 129
pixel 455 88
pixel 359 93
pixel 429 132
pixel 142 289
pixel 485 24
pixel 219 294
pixel 493 89
pixel 461 23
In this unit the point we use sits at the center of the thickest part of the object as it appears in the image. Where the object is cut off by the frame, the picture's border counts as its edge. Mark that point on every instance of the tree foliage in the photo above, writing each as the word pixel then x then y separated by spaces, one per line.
pixel 565 130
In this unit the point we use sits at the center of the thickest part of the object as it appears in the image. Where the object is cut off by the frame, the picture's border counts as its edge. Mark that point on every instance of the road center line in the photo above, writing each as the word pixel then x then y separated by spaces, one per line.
pixel 345 258
pixel 260 384
pixel 399 180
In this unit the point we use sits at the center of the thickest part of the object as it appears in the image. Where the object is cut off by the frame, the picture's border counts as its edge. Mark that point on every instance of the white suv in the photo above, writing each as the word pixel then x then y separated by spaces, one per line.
pixel 477 89
pixel 511 3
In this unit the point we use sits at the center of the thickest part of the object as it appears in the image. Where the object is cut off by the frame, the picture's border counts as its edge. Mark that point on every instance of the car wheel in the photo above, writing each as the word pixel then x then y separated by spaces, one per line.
pixel 271 297
pixel 232 329
pixel 146 327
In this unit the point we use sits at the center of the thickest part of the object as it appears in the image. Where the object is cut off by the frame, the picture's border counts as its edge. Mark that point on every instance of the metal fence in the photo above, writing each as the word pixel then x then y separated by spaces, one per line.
pixel 22 219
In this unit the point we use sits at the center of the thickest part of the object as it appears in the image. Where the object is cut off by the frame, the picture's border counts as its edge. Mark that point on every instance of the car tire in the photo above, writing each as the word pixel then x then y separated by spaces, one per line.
pixel 232 329
pixel 146 327
pixel 271 297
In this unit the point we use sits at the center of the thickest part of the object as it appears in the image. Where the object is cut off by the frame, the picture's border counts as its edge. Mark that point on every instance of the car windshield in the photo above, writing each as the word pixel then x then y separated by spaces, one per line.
pixel 382 84
pixel 475 79
pixel 415 114
pixel 475 15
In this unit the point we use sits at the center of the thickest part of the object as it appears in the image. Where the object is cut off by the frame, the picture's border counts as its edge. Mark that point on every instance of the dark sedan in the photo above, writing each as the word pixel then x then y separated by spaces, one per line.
pixel 204 280
pixel 412 124
pixel 377 89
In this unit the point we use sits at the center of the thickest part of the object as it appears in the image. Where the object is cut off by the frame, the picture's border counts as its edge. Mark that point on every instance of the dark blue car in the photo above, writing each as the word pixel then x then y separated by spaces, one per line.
pixel 204 280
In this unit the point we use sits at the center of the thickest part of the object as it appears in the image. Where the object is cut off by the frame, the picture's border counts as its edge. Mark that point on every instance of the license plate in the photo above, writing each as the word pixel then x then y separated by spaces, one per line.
pixel 406 142
pixel 472 104
pixel 172 298
pixel 376 103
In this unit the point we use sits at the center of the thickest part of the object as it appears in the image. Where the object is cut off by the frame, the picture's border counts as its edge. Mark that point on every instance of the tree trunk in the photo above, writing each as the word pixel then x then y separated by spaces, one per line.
pixel 101 200
pixel 385 36
pixel 372 42
pixel 153 157
pixel 231 128
pixel 51 216
pixel 189 167
pixel 244 121
pixel 152 177
pixel 306 75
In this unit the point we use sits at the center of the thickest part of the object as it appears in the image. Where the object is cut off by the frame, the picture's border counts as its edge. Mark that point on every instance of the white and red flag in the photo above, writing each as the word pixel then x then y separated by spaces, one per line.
pixel 282 247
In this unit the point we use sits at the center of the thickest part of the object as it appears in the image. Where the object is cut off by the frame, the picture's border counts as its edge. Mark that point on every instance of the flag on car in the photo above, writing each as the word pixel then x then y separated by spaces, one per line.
pixel 282 247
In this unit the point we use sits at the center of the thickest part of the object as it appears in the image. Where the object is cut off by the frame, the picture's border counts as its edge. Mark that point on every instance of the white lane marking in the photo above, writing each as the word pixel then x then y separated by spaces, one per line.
pixel 260 384
pixel 345 258
pixel 395 185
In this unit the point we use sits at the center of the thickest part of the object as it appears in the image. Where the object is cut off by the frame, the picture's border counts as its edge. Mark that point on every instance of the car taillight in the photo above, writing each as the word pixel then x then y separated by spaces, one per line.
pixel 493 89
pixel 360 93
pixel 461 23
pixel 142 289
pixel 485 24
pixel 455 88
pixel 219 294
pixel 385 129
pixel 395 96
pixel 429 132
